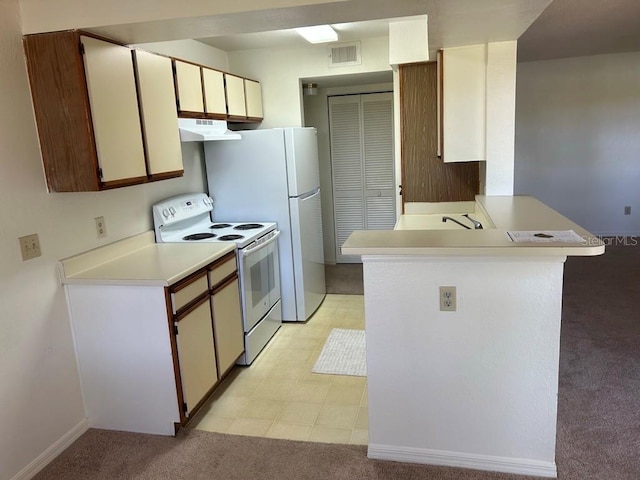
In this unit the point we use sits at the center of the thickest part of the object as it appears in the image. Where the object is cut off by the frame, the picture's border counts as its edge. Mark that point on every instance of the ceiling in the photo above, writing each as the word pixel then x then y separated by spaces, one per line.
pixel 544 29
pixel 566 28
pixel 451 22
pixel 289 38
pixel 572 28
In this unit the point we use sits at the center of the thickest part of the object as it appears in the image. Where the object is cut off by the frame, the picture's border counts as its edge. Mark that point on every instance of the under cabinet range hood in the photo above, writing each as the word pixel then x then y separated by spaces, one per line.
pixel 203 130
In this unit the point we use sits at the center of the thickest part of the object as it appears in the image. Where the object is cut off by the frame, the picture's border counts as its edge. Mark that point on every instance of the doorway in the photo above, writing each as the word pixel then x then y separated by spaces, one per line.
pixel 362 165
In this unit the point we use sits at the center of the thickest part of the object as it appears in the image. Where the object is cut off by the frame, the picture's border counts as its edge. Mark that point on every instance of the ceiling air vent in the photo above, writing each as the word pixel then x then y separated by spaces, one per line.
pixel 344 54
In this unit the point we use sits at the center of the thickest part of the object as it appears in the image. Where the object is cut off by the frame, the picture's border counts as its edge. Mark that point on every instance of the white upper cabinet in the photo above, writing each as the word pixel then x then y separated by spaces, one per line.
pixel 115 116
pixel 464 105
pixel 159 116
pixel 236 106
pixel 214 96
pixel 189 87
pixel 253 94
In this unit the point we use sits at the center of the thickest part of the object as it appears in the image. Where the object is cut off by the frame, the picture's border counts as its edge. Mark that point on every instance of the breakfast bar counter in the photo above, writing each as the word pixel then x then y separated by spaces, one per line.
pixel 470 379
pixel 415 232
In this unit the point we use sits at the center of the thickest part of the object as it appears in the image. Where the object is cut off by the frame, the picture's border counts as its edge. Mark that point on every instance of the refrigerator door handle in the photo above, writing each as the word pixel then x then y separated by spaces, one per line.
pixel 309 195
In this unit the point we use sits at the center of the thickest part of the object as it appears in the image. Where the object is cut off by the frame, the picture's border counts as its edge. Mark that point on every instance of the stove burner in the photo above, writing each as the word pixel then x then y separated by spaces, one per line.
pixel 220 225
pixel 226 238
pixel 248 226
pixel 199 236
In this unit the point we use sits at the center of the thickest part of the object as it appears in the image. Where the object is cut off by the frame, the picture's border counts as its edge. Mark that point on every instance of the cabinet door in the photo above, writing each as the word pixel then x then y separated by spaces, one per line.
pixel 189 87
pixel 227 321
pixel 235 96
pixel 196 354
pixel 159 116
pixel 214 98
pixel 464 72
pixel 253 93
pixel 114 110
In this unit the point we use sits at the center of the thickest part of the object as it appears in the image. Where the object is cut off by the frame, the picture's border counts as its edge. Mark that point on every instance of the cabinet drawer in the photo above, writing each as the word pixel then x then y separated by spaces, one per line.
pixel 223 271
pixel 185 294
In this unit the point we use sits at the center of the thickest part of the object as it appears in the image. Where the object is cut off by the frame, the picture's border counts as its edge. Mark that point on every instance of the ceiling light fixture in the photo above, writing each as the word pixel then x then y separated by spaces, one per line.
pixel 310 88
pixel 318 34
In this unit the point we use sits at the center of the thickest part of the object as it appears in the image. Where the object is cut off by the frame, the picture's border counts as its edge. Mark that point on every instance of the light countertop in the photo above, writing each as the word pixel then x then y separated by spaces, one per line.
pixel 139 260
pixel 505 213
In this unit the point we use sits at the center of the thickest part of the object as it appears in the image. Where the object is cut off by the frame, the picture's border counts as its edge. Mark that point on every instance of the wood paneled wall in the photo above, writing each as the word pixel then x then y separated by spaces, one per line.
pixel 425 177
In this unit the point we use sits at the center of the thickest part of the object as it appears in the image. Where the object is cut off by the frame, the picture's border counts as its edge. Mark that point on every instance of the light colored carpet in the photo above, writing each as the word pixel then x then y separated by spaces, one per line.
pixel 344 353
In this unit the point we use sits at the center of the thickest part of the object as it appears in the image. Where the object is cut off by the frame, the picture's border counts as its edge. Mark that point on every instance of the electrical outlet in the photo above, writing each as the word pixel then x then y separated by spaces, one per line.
pixel 627 210
pixel 30 246
pixel 101 227
pixel 447 299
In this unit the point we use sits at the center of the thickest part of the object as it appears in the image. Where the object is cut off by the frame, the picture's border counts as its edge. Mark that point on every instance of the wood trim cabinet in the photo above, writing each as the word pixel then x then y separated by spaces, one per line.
pixel 236 105
pixel 425 177
pixel 160 351
pixel 214 94
pixel 227 317
pixel 158 113
pixel 194 344
pixel 188 81
pixel 87 111
pixel 253 98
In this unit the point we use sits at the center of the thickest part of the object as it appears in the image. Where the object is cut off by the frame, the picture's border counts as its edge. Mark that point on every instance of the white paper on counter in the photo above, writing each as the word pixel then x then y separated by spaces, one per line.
pixel 545 236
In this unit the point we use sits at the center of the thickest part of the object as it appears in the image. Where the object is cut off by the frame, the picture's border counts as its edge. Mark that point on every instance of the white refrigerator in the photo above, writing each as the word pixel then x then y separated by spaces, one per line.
pixel 272 175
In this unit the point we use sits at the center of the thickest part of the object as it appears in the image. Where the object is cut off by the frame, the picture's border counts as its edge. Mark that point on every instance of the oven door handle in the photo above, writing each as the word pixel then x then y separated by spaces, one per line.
pixel 249 251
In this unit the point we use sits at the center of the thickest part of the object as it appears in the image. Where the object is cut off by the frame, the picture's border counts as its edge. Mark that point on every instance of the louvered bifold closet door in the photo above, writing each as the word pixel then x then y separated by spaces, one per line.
pixel 377 134
pixel 361 130
pixel 347 168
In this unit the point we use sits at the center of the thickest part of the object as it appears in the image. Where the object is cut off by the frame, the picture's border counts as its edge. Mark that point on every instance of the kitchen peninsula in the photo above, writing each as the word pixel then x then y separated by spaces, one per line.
pixel 475 387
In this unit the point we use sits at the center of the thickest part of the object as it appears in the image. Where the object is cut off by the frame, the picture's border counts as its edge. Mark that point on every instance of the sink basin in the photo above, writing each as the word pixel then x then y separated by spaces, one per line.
pixel 434 221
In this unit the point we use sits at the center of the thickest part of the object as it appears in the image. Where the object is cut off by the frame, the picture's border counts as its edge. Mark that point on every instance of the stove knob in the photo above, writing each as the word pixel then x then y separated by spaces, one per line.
pixel 172 211
pixel 165 213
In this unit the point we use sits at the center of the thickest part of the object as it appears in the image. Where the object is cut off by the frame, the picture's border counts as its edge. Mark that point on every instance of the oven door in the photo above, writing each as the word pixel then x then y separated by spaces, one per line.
pixel 260 279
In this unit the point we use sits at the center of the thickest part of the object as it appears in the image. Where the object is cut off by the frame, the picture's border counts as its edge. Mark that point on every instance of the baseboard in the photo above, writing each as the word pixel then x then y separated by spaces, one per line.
pixel 52 452
pixel 463 460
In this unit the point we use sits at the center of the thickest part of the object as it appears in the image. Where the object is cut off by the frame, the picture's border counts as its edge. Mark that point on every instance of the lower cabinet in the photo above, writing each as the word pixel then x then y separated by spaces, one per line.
pixel 196 354
pixel 149 356
pixel 227 323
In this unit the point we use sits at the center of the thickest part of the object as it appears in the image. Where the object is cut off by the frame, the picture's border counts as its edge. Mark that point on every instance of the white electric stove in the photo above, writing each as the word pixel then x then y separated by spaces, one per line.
pixel 188 218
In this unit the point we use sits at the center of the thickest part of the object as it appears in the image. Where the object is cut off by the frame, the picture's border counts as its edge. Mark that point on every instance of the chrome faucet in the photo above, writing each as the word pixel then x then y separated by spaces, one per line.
pixel 445 218
pixel 476 224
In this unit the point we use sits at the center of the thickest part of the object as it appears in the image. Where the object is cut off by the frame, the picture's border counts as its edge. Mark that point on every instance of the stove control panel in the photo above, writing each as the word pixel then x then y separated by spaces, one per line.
pixel 182 207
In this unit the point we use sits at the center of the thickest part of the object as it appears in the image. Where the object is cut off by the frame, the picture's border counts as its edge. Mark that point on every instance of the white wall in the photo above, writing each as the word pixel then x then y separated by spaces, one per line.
pixel 316 114
pixel 498 170
pixel 474 388
pixel 577 140
pixel 280 71
pixel 39 386
pixel 192 50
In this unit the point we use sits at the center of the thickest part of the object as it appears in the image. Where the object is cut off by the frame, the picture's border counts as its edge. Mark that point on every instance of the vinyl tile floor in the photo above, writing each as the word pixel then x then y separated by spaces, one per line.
pixel 278 396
